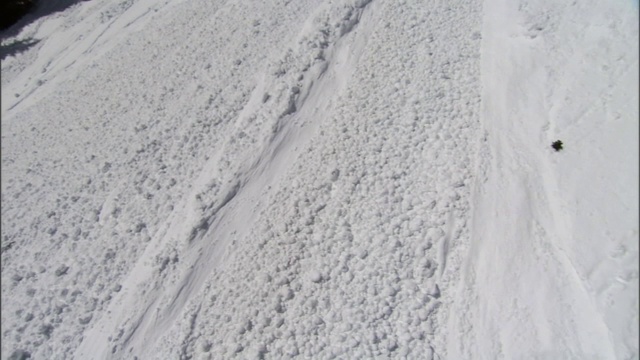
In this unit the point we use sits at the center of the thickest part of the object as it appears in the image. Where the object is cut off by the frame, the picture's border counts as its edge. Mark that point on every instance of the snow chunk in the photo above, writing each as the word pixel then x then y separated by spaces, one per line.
pixel 315 276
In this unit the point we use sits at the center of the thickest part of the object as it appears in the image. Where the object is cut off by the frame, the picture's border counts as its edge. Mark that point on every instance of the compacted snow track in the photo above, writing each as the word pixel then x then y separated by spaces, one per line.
pixel 552 271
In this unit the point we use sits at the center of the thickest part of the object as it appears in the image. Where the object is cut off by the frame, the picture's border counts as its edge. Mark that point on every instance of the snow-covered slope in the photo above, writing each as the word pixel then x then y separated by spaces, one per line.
pixel 322 179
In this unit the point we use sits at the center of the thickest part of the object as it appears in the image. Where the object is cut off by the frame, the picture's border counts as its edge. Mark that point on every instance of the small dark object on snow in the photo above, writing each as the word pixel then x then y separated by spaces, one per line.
pixel 557 145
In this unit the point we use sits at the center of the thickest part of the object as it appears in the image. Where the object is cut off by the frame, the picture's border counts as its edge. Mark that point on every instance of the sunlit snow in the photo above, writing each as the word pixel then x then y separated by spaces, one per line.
pixel 315 179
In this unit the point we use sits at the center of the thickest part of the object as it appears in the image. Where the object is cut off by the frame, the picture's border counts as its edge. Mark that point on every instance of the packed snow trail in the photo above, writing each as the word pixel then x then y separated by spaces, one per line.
pixel 552 271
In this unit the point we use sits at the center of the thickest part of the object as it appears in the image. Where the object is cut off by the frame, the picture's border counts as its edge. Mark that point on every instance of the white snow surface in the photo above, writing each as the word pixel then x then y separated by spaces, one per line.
pixel 320 179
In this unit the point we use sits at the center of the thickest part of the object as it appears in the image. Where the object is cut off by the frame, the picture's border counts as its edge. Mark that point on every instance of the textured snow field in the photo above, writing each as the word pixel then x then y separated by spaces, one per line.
pixel 316 179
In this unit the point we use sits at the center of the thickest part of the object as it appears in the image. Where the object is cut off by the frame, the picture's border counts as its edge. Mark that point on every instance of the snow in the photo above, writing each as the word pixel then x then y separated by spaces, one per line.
pixel 321 179
pixel 568 244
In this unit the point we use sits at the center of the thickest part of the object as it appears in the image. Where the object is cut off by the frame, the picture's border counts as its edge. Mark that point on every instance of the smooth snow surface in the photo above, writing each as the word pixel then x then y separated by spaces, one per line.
pixel 552 271
pixel 321 179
